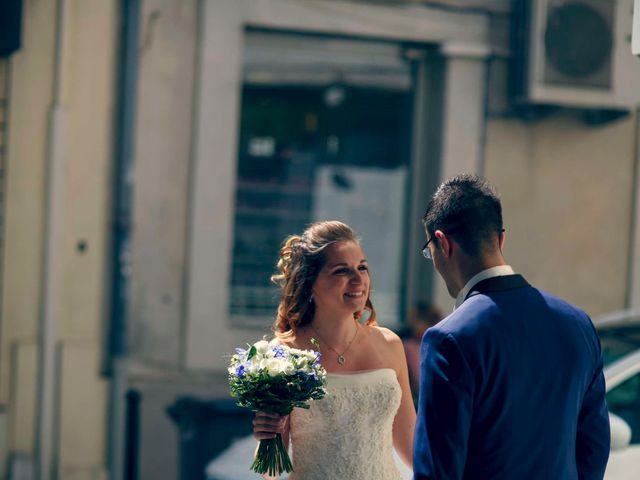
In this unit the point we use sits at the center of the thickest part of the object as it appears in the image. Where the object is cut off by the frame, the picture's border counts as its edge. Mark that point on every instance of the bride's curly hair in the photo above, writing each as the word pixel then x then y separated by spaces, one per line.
pixel 301 259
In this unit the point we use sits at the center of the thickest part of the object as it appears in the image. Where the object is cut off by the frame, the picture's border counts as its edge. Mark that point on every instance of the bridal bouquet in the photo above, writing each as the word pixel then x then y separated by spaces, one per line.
pixel 275 379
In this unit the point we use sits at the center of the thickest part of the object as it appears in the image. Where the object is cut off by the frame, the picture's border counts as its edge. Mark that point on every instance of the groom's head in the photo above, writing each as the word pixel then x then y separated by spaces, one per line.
pixel 463 223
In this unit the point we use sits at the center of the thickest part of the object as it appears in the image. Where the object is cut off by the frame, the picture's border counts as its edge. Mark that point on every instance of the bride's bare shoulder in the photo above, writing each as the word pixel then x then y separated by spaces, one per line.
pixel 389 345
pixel 385 338
pixel 383 334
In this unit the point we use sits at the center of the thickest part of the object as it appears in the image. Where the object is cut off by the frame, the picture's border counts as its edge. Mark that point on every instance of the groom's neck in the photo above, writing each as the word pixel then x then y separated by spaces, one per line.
pixel 470 266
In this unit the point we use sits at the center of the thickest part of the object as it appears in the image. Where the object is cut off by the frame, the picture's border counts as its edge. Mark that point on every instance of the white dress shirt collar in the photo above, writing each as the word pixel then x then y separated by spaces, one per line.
pixel 498 271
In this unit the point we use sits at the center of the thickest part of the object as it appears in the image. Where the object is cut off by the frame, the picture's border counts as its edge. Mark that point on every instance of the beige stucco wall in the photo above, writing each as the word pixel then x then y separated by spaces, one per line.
pixel 89 101
pixel 566 187
pixel 567 192
pixel 30 87
pixel 87 94
pixel 167 68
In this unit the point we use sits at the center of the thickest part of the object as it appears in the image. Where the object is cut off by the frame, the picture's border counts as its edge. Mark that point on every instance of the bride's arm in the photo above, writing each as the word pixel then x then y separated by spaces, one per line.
pixel 405 422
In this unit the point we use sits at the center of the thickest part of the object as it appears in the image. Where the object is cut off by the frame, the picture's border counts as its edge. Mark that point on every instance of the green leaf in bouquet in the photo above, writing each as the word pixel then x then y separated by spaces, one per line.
pixel 252 352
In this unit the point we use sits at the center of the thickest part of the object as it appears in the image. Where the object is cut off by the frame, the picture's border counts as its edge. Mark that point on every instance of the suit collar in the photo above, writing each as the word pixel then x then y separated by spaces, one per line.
pixel 496 284
pixel 480 276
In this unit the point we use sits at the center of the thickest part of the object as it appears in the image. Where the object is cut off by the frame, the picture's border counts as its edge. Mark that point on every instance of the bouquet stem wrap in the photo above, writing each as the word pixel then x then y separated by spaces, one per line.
pixel 272 457
pixel 275 379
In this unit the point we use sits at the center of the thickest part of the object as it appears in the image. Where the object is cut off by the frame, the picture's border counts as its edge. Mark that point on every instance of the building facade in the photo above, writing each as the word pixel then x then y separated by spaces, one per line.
pixel 250 119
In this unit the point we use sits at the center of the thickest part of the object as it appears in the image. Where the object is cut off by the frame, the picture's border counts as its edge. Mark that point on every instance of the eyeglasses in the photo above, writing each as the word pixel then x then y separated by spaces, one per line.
pixel 426 253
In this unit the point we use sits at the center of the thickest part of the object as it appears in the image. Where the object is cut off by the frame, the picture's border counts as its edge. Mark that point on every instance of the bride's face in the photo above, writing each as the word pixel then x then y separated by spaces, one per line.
pixel 342 286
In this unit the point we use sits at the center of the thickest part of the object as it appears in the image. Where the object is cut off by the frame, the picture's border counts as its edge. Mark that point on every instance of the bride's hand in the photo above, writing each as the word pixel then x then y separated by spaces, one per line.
pixel 266 425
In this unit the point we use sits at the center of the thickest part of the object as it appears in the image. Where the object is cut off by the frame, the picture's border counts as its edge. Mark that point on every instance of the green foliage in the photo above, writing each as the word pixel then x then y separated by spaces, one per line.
pixel 272 458
pixel 279 394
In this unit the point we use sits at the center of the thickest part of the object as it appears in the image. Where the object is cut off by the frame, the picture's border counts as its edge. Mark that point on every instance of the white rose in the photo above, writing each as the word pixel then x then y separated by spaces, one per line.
pixel 261 347
pixel 288 368
pixel 254 366
pixel 273 366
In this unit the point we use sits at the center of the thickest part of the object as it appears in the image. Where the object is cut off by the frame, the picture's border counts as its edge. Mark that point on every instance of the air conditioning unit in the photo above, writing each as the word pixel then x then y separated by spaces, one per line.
pixel 575 53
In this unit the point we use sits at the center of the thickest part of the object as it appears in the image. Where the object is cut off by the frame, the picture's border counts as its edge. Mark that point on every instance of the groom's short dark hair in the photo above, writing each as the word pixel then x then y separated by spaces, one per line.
pixel 468 208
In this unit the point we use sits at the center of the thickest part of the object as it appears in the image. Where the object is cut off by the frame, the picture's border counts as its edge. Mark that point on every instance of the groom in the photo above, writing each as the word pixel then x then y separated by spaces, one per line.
pixel 511 381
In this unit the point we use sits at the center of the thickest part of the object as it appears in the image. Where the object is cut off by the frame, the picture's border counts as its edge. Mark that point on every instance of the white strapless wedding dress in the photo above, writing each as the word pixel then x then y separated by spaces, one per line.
pixel 347 435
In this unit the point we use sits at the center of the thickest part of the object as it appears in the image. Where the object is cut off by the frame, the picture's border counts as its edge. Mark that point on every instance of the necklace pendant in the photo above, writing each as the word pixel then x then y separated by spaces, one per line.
pixel 340 359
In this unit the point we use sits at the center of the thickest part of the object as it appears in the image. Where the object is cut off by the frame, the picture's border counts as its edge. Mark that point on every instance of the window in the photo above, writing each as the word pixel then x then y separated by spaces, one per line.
pixel 324 134
pixel 624 401
pixel 619 341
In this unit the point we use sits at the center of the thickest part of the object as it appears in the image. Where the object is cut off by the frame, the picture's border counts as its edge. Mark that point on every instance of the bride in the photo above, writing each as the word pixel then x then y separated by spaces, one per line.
pixel 368 409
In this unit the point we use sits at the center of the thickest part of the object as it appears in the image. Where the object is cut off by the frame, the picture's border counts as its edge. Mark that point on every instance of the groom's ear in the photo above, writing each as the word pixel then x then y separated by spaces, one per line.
pixel 444 242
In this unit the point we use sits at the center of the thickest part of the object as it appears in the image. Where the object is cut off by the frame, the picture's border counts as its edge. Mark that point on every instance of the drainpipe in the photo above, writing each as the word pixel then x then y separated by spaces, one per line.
pixel 116 361
pixel 52 256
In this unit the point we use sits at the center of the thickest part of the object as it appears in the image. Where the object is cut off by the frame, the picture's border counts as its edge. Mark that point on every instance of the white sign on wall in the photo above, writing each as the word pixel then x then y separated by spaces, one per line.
pixel 373 205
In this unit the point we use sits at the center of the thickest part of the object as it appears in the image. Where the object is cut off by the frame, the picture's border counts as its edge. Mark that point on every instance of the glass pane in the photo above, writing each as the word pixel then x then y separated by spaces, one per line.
pixel 310 150
pixel 624 401
pixel 618 342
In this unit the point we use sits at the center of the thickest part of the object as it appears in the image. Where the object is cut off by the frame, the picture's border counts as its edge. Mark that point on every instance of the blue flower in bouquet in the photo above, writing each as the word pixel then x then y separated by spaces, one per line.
pixel 240 371
pixel 278 352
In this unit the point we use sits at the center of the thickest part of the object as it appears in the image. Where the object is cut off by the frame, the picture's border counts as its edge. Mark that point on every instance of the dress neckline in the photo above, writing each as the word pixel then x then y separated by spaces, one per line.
pixel 361 372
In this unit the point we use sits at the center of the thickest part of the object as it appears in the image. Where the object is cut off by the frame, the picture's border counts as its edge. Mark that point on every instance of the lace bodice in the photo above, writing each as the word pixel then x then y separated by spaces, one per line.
pixel 348 434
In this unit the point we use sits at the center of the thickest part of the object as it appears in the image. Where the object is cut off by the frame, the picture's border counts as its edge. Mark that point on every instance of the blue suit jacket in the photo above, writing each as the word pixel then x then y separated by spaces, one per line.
pixel 511 389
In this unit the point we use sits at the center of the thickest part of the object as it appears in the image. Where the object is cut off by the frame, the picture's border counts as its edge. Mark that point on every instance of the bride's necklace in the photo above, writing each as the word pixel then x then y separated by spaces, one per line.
pixel 340 358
